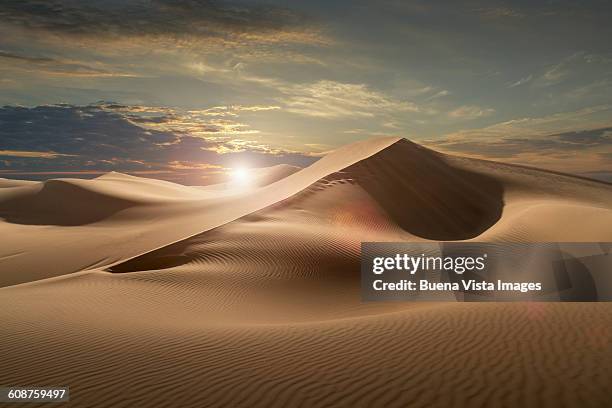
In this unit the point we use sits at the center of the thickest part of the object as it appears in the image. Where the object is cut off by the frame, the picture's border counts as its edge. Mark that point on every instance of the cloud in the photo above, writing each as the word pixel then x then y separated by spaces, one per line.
pixel 569 142
pixel 521 81
pixel 330 99
pixel 469 112
pixel 499 12
pixel 233 110
pixel 178 21
pixel 439 94
pixel 255 108
pixel 354 131
pixel 555 74
pixel 512 146
pixel 218 120
pixel 57 66
pixel 181 165
pixel 587 118
pixel 24 58
pixel 590 90
pixel 391 125
pixel 559 72
pixel 182 146
pixel 591 137
pixel 37 154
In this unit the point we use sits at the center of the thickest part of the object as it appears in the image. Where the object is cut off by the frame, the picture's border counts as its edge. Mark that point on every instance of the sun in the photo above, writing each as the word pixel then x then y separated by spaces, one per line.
pixel 241 176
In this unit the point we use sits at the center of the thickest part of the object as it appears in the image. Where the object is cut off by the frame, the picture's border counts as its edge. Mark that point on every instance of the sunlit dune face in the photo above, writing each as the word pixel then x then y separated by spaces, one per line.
pixel 241 176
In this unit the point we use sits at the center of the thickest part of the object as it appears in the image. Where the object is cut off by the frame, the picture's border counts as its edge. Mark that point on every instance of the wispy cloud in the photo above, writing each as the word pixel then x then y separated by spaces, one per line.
pixel 559 72
pixel 255 108
pixel 183 165
pixel 555 74
pixel 35 154
pixel 597 88
pixel 58 66
pixel 521 81
pixel 354 131
pixel 499 12
pixel 439 94
pixel 219 121
pixel 330 99
pixel 469 112
pixel 575 141
pixel 592 117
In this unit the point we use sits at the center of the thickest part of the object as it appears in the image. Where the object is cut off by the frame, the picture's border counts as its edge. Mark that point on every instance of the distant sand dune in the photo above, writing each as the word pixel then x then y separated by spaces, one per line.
pixel 59 202
pixel 226 297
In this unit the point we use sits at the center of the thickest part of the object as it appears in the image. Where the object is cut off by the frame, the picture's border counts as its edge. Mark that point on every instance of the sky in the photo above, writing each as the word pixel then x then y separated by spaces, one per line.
pixel 186 90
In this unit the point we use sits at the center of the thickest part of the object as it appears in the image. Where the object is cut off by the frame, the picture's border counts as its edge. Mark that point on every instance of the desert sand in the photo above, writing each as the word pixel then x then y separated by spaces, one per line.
pixel 143 293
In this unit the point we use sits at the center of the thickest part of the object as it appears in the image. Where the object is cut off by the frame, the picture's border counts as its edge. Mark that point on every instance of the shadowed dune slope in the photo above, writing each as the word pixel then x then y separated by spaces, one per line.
pixel 74 202
pixel 426 195
pixel 60 202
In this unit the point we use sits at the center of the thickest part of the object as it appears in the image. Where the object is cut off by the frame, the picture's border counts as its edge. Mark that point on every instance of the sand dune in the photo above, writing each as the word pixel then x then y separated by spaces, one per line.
pixel 5 183
pixel 150 220
pixel 250 297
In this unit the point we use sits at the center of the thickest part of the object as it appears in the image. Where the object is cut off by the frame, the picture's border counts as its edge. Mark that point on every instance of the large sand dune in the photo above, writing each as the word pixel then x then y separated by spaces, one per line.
pixel 137 292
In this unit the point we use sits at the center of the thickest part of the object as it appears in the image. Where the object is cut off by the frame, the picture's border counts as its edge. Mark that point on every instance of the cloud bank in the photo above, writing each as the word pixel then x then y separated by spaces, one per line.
pixel 577 142
pixel 178 18
pixel 188 147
